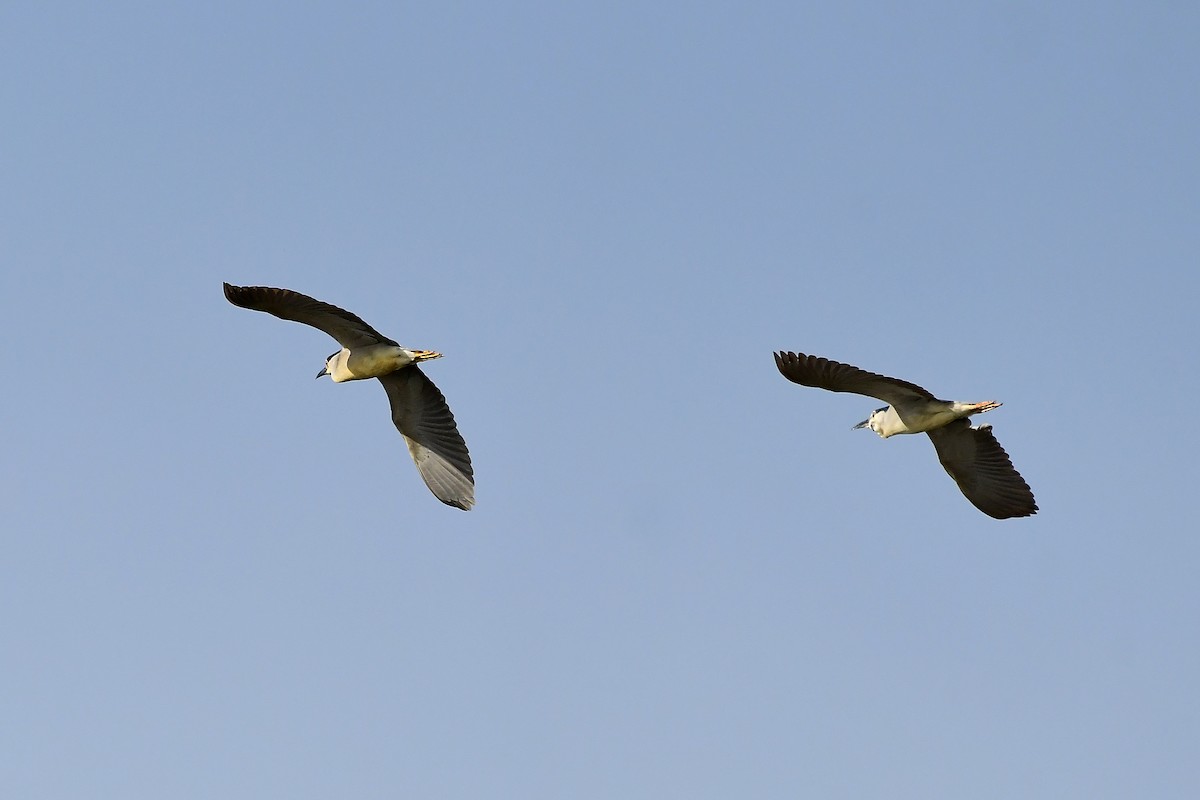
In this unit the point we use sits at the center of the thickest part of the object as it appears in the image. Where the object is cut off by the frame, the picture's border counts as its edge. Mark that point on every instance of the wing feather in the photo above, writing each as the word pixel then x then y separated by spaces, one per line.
pixel 982 470
pixel 821 373
pixel 421 414
pixel 348 329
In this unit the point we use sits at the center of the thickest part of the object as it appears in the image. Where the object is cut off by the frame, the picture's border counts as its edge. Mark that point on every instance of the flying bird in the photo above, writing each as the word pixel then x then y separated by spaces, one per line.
pixel 972 456
pixel 419 409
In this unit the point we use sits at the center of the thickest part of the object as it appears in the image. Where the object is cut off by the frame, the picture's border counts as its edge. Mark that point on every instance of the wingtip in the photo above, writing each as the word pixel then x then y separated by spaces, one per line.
pixel 462 500
pixel 242 296
pixel 1021 514
pixel 785 360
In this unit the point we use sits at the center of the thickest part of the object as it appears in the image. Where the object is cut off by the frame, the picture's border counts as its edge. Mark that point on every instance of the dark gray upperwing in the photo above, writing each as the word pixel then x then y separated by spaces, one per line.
pixel 346 328
pixel 982 470
pixel 821 373
pixel 420 412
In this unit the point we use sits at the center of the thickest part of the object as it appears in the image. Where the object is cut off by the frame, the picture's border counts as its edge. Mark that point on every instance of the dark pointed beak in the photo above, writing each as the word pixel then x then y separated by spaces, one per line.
pixel 323 372
pixel 862 424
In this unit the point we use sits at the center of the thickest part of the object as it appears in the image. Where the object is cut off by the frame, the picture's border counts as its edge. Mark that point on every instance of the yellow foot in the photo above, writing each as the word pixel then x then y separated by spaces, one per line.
pixel 425 355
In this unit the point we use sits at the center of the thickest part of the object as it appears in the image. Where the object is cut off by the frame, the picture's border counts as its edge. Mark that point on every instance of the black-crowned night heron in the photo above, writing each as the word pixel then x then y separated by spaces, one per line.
pixel 971 456
pixel 418 408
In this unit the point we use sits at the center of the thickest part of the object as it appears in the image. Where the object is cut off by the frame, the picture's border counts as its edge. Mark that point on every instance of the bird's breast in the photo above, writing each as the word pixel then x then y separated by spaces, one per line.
pixel 372 361
pixel 922 417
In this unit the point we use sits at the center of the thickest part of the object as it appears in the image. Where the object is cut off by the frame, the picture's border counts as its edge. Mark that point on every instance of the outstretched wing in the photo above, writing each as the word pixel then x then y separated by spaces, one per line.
pixel 346 328
pixel 982 470
pixel 420 412
pixel 834 376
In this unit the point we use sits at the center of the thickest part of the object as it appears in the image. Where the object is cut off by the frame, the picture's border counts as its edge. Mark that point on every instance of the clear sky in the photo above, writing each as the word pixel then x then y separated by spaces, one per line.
pixel 685 576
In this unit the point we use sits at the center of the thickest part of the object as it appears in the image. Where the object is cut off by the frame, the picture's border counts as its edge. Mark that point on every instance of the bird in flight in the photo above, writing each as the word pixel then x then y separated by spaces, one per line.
pixel 972 456
pixel 419 409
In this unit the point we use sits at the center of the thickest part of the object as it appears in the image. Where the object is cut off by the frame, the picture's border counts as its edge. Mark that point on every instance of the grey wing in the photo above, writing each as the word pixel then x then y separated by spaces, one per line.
pixel 821 373
pixel 346 328
pixel 982 470
pixel 420 412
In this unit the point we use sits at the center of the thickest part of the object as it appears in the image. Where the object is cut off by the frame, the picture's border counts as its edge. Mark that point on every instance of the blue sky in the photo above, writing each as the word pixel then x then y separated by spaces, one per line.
pixel 685 576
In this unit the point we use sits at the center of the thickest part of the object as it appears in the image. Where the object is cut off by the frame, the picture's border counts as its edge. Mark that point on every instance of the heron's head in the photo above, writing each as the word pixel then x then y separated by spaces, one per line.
pixel 328 364
pixel 874 422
